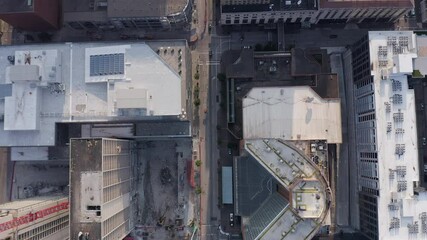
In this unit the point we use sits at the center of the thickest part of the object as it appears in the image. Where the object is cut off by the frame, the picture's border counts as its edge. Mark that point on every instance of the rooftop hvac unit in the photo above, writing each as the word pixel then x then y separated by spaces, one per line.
pixel 398 117
pixel 397 99
pixel 396 85
pixel 394 223
pixel 388 127
pixel 413 228
pixel 387 107
pixel 399 131
pixel 401 186
pixel 399 149
pixel 391 176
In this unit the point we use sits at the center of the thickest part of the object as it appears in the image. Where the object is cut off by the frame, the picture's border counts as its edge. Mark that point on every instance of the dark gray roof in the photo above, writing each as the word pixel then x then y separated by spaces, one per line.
pixel 143 8
pixel 264 215
pixel 163 128
pixel 5 90
pixel 12 6
pixel 242 66
pixel 254 185
pixel 274 5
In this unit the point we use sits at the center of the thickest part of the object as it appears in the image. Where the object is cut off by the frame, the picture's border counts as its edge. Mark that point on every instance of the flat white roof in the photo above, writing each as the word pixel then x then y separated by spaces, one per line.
pixel 396 129
pixel 66 93
pixel 22 108
pixel 291 113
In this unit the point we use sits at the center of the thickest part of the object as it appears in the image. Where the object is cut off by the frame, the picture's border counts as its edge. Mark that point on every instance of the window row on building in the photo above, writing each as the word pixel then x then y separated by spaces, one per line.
pixel 110 227
pixel 46 229
pixel 318 16
pixel 365 104
pixel 112 192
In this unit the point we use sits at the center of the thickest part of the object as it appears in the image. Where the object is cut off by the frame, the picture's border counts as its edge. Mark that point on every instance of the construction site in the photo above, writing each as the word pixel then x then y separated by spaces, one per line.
pixel 166 198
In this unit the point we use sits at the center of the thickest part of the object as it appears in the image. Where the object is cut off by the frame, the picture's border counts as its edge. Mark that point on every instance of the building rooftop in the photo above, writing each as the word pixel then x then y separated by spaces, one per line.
pixel 291 113
pixel 16 6
pixel 300 67
pixel 300 182
pixel 100 182
pixel 255 225
pixel 309 61
pixel 242 66
pixel 308 197
pixel 253 185
pixel 81 82
pixel 274 5
pixel 290 226
pixel 365 3
pixel 31 204
pixel 20 214
pixel 124 8
pixel 400 207
pixel 138 8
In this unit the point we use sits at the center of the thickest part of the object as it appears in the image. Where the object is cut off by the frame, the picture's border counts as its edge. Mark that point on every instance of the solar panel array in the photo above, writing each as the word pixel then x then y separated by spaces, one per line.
pixel 107 64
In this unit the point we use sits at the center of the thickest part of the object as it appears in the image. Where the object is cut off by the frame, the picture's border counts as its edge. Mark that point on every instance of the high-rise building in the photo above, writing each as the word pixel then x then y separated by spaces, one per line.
pixel 314 11
pixel 31 15
pixel 128 14
pixel 388 72
pixel 102 188
pixel 281 182
pixel 35 218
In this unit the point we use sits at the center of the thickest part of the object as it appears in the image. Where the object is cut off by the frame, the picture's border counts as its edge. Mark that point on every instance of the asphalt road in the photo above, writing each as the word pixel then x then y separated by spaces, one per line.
pixel 209 211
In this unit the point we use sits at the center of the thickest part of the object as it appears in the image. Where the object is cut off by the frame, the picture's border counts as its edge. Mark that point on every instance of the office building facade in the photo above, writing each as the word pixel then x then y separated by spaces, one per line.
pixel 102 190
pixel 35 218
pixel 314 12
pixel 129 14
pixel 392 203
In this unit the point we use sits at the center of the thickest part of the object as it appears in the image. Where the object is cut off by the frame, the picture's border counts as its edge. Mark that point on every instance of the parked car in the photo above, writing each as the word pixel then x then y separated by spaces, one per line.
pixel 231 219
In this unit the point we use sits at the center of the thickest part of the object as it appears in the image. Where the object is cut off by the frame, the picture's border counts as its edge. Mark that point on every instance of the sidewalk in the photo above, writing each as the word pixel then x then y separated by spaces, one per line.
pixel 6 33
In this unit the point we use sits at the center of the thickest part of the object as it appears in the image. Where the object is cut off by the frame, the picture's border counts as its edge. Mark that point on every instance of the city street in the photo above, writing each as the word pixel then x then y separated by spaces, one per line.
pixel 209 211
